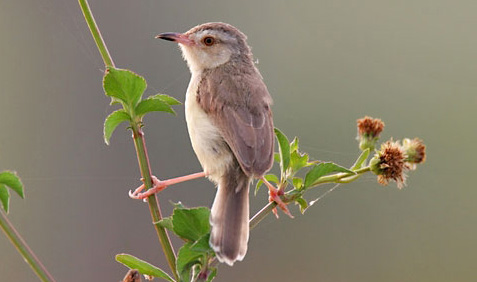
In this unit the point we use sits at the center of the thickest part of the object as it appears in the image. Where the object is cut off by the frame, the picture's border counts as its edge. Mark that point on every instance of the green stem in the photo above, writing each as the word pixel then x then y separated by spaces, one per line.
pixel 259 216
pixel 93 27
pixel 154 207
pixel 294 194
pixel 339 177
pixel 24 250
pixel 140 145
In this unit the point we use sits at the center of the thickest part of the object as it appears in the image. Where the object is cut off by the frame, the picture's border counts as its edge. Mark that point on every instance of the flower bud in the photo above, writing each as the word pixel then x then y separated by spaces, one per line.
pixel 368 132
pixel 415 151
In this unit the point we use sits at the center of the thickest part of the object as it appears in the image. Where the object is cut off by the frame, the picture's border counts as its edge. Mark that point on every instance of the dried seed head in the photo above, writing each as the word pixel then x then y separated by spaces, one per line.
pixel 368 132
pixel 132 276
pixel 389 164
pixel 415 151
pixel 369 126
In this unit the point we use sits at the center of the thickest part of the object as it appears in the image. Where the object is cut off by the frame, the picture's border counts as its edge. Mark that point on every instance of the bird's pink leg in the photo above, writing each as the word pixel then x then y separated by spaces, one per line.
pixel 158 185
pixel 274 196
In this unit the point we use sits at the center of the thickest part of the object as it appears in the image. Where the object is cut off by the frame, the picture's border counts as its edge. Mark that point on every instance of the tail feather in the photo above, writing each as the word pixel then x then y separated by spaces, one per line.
pixel 229 217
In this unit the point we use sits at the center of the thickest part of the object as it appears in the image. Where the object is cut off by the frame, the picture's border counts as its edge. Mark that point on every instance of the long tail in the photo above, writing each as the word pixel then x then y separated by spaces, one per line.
pixel 229 217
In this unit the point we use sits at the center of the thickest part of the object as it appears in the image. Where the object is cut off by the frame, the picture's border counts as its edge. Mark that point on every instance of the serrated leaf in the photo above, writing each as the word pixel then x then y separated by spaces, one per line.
pixel 4 197
pixel 202 245
pixel 191 224
pixel 297 161
pixel 166 222
pixel 112 122
pixel 124 85
pixel 178 205
pixel 186 259
pixel 297 182
pixel 323 169
pixel 303 204
pixel 294 145
pixel 284 150
pixel 361 159
pixel 168 99
pixel 152 104
pixel 270 178
pixel 142 266
pixel 10 179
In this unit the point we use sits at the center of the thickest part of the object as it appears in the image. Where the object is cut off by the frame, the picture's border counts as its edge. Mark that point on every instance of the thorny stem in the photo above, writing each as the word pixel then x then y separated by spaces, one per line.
pixel 140 146
pixel 24 250
pixel 294 194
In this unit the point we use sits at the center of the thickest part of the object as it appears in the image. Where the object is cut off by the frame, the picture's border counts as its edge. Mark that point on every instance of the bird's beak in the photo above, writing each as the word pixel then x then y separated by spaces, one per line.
pixel 176 37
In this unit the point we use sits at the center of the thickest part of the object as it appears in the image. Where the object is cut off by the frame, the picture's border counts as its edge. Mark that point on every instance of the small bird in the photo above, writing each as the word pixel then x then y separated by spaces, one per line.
pixel 230 125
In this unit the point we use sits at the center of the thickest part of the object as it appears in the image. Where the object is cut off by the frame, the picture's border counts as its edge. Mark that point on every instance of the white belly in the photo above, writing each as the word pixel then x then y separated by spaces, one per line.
pixel 213 153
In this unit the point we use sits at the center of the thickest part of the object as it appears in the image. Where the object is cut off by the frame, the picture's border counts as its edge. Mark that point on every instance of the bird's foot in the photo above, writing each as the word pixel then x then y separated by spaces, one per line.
pixel 157 186
pixel 274 196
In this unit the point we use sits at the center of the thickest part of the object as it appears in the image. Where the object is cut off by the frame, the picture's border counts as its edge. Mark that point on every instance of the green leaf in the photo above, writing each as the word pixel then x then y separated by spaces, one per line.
pixel 4 197
pixel 270 178
pixel 178 205
pixel 294 145
pixel 124 85
pixel 112 122
pixel 142 266
pixel 186 259
pixel 168 99
pixel 166 222
pixel 152 104
pixel 297 161
pixel 202 245
pixel 361 160
pixel 212 274
pixel 323 169
pixel 303 204
pixel 284 149
pixel 276 157
pixel 298 182
pixel 10 179
pixel 191 224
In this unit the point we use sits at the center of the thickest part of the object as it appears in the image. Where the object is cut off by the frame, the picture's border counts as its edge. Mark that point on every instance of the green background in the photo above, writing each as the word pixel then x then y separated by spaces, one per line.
pixel 326 63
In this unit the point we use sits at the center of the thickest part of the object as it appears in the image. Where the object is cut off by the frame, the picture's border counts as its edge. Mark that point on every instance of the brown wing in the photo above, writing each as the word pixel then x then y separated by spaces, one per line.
pixel 239 105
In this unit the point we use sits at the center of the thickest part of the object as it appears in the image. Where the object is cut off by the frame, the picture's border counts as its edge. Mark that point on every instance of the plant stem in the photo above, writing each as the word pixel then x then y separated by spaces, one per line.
pixel 24 250
pixel 336 178
pixel 290 196
pixel 140 146
pixel 259 216
pixel 154 207
pixel 93 27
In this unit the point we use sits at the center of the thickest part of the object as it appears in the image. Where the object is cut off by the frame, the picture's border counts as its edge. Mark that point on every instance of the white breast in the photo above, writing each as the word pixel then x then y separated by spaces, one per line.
pixel 213 153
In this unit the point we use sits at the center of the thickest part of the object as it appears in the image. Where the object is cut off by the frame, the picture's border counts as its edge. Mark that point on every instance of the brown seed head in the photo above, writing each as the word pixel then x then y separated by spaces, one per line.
pixel 370 127
pixel 389 164
pixel 415 151
pixel 368 132
pixel 132 276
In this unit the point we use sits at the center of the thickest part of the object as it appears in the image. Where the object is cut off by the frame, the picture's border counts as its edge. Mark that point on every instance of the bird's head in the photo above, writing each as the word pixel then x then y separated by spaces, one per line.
pixel 210 45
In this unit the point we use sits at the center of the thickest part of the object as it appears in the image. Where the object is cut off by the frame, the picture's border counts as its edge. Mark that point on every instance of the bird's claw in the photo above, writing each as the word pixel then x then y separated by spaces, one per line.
pixel 157 186
pixel 274 196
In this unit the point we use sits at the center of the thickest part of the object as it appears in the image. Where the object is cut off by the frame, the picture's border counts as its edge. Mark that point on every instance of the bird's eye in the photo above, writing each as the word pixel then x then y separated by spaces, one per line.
pixel 208 40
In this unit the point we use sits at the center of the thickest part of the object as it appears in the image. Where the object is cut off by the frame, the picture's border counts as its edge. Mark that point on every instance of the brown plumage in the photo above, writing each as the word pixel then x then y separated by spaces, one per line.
pixel 230 125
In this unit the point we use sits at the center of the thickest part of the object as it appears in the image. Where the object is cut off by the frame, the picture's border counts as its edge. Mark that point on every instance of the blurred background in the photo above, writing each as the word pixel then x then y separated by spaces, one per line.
pixel 326 63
